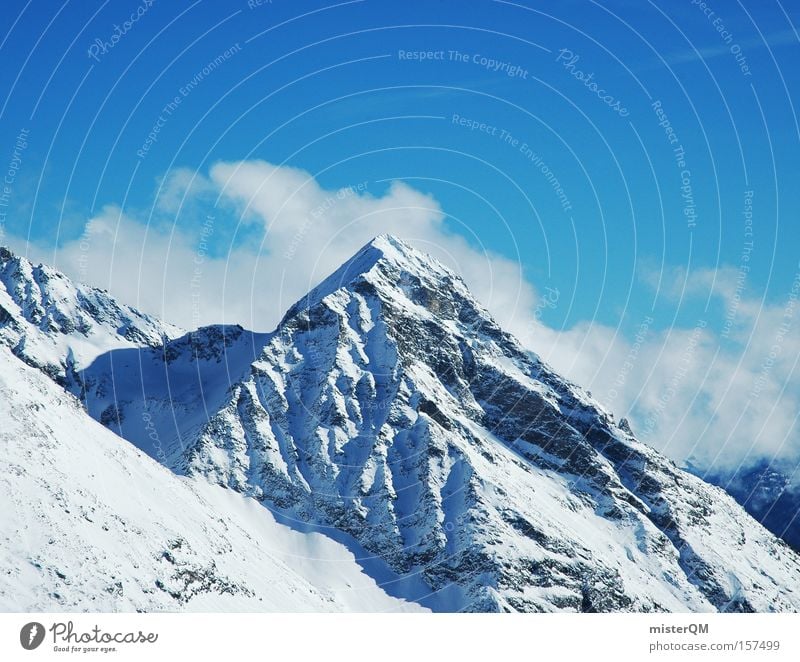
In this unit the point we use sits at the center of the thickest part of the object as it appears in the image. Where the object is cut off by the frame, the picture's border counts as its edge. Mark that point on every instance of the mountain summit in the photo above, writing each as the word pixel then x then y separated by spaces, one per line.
pixel 58 326
pixel 389 411
pixel 383 250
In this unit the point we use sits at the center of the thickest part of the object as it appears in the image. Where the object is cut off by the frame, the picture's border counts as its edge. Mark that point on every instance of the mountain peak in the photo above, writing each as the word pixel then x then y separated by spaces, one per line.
pixel 388 256
pixel 389 249
pixel 5 254
pixel 392 410
pixel 393 248
pixel 386 239
pixel 54 324
pixel 398 251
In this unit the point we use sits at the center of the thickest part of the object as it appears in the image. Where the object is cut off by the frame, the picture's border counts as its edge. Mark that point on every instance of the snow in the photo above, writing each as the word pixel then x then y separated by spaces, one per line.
pixel 390 420
pixel 484 485
pixel 90 523
pixel 56 325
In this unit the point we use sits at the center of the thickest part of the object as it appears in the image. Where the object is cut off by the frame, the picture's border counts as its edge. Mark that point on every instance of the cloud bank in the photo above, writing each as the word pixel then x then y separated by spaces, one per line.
pixel 722 396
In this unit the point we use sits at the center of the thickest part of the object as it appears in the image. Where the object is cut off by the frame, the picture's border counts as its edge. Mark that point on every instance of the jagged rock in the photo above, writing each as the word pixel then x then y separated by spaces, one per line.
pixel 390 407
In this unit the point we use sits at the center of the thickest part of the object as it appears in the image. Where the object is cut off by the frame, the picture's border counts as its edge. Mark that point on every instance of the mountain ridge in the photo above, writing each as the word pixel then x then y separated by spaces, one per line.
pixel 91 524
pixel 59 326
pixel 389 407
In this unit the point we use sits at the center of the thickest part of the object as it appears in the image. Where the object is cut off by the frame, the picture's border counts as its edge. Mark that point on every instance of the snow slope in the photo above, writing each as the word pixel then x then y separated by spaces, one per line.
pixel 90 523
pixel 154 397
pixel 389 407
pixel 768 491
pixel 60 327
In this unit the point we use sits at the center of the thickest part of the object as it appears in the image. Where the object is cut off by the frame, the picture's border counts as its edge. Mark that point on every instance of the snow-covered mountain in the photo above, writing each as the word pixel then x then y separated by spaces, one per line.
pixel 767 491
pixel 389 411
pixel 60 327
pixel 157 396
pixel 89 523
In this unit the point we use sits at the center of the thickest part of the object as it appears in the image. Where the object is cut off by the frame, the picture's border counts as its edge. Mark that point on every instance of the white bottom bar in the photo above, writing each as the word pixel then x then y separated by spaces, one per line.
pixel 388 637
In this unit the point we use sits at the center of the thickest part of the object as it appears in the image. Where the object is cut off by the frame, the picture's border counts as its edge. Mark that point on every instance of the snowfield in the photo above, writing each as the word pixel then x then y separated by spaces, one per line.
pixel 91 523
pixel 387 447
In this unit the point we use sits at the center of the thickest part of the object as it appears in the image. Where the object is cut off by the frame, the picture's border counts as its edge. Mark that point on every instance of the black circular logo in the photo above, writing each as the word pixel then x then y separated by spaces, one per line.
pixel 31 635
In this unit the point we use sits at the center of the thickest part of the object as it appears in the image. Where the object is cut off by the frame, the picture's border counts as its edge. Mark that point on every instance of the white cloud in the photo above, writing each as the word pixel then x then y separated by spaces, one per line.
pixel 307 232
pixel 687 392
pixel 167 274
pixel 690 392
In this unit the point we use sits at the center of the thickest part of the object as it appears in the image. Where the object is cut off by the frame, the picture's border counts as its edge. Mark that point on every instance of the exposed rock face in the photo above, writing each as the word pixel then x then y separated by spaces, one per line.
pixel 388 405
pixel 60 327
pixel 90 523
pixel 766 491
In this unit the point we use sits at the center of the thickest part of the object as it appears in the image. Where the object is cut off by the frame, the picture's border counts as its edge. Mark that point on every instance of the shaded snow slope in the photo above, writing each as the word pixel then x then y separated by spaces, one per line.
pixel 60 327
pixel 157 397
pixel 90 523
pixel 767 491
pixel 389 406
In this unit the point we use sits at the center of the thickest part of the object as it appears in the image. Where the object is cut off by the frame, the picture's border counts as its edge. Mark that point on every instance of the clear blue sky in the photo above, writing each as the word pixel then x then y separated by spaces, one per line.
pixel 313 83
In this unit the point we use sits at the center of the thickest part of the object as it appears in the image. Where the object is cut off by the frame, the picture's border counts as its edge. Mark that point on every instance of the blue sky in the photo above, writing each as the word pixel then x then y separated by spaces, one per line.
pixel 635 230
